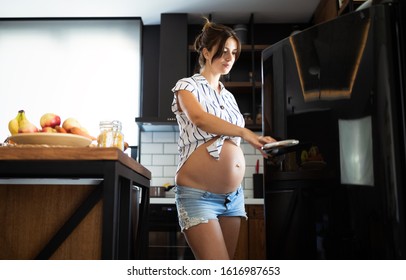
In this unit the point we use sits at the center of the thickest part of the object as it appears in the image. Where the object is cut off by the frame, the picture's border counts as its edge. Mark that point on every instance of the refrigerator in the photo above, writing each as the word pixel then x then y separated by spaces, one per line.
pixel 339 88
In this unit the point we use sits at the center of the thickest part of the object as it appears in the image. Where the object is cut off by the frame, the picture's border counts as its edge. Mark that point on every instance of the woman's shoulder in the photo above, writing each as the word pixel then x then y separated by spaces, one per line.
pixel 196 78
pixel 188 83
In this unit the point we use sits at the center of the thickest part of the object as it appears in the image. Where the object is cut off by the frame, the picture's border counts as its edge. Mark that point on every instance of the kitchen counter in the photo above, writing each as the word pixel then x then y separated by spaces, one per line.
pixel 51 180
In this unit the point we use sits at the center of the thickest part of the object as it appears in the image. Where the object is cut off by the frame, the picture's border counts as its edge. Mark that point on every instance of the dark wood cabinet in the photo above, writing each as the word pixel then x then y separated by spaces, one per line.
pixel 251 241
pixel 164 61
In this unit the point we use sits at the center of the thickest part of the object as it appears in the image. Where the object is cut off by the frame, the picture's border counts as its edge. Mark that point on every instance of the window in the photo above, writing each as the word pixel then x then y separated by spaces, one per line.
pixel 88 69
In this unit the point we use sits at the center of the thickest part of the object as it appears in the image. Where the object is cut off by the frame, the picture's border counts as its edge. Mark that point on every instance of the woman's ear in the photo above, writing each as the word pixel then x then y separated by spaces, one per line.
pixel 206 53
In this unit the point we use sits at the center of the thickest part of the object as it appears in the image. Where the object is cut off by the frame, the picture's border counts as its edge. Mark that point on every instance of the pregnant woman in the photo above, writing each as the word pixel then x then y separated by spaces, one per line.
pixel 209 196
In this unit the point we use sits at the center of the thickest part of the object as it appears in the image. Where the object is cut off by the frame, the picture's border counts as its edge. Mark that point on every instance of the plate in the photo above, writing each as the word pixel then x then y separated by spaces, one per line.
pixel 280 144
pixel 53 139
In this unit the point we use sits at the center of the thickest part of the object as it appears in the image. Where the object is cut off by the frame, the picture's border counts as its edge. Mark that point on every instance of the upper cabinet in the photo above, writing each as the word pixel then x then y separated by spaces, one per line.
pixel 330 9
pixel 164 61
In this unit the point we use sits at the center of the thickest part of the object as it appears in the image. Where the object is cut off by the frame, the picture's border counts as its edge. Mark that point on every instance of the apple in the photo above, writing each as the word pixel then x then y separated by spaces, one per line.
pixel 69 123
pixel 50 120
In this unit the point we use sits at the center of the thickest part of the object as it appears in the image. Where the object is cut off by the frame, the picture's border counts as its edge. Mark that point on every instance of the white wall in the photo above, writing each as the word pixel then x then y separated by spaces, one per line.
pixel 86 69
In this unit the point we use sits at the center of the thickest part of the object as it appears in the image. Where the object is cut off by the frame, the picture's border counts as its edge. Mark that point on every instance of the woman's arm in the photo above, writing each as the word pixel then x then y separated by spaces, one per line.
pixel 188 103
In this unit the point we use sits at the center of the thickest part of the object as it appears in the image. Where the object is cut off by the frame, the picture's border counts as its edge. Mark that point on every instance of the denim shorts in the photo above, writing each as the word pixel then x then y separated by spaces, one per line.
pixel 197 206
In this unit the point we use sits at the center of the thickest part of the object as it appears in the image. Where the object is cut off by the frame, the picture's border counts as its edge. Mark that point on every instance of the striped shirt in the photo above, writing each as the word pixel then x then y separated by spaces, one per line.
pixel 222 105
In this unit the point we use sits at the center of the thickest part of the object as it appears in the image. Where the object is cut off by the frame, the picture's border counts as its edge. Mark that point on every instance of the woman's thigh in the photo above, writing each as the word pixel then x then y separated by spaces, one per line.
pixel 207 242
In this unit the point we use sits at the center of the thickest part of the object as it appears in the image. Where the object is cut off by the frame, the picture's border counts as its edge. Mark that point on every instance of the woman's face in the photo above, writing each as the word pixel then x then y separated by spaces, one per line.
pixel 223 64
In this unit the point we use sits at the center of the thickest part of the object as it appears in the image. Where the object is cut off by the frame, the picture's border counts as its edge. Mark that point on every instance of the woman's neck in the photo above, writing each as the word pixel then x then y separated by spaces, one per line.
pixel 213 80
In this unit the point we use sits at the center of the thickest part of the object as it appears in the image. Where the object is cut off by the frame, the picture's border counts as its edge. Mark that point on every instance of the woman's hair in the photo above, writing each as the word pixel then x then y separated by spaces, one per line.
pixel 213 35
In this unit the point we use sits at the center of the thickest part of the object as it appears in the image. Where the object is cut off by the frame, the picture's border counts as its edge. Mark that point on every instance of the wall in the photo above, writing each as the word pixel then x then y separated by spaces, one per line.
pixel 158 153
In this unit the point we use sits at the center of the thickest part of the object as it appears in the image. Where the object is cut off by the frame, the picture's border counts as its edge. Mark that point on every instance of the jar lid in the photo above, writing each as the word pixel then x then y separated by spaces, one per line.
pixel 111 124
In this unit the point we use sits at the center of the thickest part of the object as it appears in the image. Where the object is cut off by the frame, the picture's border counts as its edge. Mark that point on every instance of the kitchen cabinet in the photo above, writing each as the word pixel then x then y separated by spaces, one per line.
pixel 330 9
pixel 251 241
pixel 164 61
pixel 72 203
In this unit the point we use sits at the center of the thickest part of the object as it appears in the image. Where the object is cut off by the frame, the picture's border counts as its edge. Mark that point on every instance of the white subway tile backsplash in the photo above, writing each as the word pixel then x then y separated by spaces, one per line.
pixel 248 183
pixel 247 149
pixel 146 137
pixel 162 160
pixel 248 193
pixel 163 137
pixel 146 159
pixel 251 160
pixel 171 148
pixel 170 171
pixel 156 171
pixel 151 148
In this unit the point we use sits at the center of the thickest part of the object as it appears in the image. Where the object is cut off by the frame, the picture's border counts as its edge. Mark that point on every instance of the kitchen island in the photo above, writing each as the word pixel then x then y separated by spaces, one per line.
pixel 72 203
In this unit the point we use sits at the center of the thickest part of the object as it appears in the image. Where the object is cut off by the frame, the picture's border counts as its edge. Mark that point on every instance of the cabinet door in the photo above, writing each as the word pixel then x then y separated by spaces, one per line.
pixel 251 241
pixel 290 230
pixel 256 232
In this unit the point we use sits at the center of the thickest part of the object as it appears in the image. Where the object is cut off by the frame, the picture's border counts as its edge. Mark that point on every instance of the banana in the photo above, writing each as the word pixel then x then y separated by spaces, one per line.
pixel 24 125
pixel 304 156
pixel 13 125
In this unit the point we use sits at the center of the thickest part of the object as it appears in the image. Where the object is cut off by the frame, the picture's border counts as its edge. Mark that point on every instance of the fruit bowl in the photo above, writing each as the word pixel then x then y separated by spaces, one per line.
pixel 52 139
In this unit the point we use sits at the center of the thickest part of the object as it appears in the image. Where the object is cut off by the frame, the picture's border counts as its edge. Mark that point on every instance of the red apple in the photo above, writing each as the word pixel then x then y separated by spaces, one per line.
pixel 50 120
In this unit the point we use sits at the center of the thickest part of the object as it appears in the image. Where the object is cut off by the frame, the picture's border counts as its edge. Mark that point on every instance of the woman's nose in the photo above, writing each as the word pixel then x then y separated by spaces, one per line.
pixel 228 56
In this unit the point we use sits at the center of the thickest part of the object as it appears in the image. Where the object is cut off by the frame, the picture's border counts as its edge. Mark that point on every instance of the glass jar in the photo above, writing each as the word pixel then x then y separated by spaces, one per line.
pixel 110 135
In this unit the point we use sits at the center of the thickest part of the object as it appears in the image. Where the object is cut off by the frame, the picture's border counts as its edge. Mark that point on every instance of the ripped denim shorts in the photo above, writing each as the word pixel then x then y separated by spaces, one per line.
pixel 198 206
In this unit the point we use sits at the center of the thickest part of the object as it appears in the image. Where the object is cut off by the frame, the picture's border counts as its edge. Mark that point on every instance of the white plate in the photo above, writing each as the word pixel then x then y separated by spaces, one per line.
pixel 280 144
pixel 53 139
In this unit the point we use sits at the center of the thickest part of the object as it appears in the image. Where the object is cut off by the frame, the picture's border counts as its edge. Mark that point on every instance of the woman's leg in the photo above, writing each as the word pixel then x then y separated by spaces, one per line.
pixel 207 242
pixel 216 240
pixel 230 227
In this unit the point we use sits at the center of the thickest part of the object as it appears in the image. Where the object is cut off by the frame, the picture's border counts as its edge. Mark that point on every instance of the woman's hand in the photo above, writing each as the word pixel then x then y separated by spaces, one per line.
pixel 257 141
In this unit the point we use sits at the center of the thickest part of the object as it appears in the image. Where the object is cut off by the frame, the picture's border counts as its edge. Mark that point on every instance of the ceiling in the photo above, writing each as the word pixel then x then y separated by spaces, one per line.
pixel 225 11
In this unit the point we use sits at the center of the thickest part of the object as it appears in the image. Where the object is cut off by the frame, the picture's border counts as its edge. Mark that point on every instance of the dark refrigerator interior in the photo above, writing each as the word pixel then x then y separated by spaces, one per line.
pixel 339 88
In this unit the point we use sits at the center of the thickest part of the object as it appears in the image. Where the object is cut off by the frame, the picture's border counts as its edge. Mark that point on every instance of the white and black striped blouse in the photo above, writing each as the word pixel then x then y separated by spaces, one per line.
pixel 222 105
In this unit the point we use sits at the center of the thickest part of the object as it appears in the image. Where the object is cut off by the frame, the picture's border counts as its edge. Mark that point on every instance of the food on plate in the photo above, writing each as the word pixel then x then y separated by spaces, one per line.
pixel 50 123
pixel 50 120
pixel 81 131
pixel 313 154
pixel 304 156
pixel 13 124
pixel 48 129
pixel 60 129
pixel 20 124
pixel 69 123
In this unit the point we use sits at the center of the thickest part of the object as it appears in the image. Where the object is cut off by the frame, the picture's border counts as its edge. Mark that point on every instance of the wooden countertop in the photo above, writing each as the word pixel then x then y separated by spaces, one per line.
pixel 43 152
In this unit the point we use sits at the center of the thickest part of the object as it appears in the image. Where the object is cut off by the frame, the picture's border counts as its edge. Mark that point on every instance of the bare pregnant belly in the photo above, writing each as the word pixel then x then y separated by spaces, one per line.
pixel 202 171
